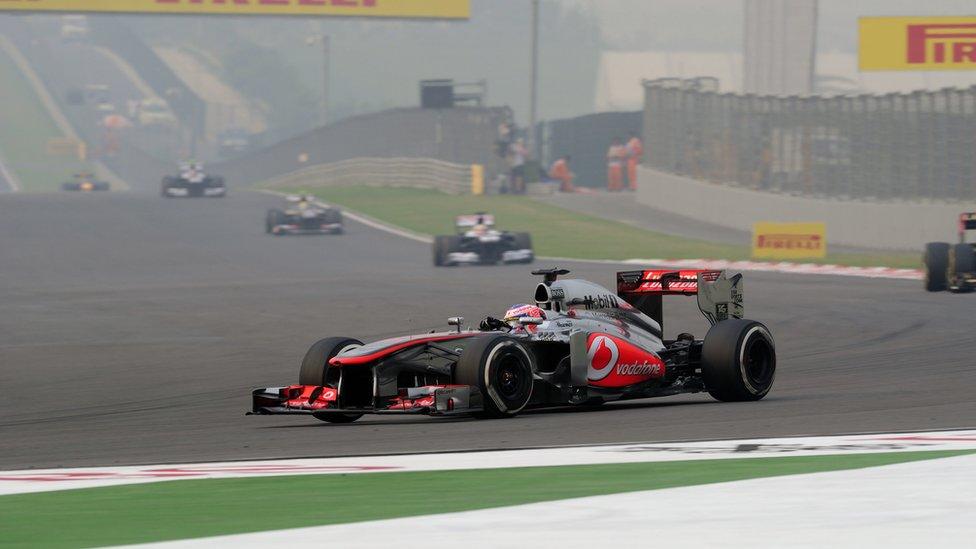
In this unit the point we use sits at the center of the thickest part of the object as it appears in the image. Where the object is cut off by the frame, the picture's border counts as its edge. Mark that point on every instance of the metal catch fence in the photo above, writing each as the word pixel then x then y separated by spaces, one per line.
pixel 919 145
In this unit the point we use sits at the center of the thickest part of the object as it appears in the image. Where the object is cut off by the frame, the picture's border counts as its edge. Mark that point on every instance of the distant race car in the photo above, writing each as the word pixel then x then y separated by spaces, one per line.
pixel 952 266
pixel 85 182
pixel 193 182
pixel 303 216
pixel 478 242
pixel 578 344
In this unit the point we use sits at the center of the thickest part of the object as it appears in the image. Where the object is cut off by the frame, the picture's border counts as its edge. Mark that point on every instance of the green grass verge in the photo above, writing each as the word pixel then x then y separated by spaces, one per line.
pixel 555 231
pixel 25 129
pixel 171 510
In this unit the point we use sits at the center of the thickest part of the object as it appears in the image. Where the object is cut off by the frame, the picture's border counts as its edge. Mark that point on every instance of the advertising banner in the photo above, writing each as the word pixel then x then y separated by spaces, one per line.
pixel 917 43
pixel 429 9
pixel 789 240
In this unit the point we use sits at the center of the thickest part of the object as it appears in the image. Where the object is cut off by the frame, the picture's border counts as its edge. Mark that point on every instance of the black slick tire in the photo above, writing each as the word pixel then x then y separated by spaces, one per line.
pixel 315 370
pixel 738 360
pixel 501 368
pixel 936 260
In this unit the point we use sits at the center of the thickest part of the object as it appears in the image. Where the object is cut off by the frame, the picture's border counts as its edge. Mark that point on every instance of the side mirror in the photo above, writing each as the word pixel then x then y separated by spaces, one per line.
pixel 456 321
pixel 531 320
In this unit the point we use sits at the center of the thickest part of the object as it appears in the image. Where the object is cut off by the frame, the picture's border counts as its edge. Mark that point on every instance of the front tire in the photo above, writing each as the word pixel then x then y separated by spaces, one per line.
pixel 165 185
pixel 738 360
pixel 441 244
pixel 315 370
pixel 271 220
pixel 502 369
pixel 936 261
pixel 523 241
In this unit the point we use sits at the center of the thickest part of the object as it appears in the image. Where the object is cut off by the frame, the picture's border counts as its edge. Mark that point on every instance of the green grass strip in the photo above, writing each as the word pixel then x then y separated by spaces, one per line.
pixel 25 130
pixel 172 510
pixel 555 231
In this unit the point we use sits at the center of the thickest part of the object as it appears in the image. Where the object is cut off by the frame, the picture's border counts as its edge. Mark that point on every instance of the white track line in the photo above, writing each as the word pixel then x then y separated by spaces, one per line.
pixel 749 266
pixel 9 177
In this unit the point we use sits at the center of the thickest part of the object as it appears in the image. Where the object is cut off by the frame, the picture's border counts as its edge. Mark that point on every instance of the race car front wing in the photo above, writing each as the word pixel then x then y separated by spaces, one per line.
pixel 311 399
pixel 507 256
pixel 295 228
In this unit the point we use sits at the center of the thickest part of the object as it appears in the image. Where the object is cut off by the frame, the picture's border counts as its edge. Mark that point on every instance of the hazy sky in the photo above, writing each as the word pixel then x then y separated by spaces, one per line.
pixel 717 24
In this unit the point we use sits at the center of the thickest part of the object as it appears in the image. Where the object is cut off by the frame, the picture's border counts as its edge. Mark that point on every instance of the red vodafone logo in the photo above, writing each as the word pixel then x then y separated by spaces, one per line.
pixel 602 356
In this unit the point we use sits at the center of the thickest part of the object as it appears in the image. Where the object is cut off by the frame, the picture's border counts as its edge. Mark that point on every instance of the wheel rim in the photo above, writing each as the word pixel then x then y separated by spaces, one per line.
pixel 758 362
pixel 508 377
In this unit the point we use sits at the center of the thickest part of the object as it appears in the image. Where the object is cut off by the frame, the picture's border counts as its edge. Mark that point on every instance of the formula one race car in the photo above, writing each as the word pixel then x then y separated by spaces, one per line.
pixel 478 242
pixel 578 344
pixel 952 267
pixel 303 217
pixel 85 182
pixel 193 182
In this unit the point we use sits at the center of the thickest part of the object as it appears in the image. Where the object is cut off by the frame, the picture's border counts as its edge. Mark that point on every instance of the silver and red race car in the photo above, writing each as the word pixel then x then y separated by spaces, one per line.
pixel 578 344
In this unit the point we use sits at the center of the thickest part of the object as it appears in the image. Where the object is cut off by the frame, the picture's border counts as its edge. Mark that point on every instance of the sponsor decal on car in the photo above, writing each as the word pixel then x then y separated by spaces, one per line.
pixel 614 362
pixel 601 301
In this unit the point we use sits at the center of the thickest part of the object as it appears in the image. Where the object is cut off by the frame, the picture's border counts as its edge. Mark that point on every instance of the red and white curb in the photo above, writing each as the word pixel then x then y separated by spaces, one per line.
pixel 43 480
pixel 749 266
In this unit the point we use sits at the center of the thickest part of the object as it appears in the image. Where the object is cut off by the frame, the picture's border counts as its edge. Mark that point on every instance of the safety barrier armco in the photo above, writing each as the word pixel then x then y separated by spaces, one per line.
pixel 424 173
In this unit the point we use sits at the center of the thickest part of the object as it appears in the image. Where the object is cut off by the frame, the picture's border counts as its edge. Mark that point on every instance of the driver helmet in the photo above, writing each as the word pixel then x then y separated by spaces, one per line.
pixel 522 310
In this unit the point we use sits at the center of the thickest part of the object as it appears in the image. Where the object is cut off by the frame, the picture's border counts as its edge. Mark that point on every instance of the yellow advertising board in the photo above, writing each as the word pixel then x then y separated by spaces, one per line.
pixel 917 43
pixel 789 240
pixel 436 9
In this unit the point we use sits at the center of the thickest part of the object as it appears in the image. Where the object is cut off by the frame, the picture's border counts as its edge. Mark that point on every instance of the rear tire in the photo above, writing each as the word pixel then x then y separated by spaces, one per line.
pixel 315 370
pixel 936 261
pixel 502 369
pixel 738 360
pixel 962 261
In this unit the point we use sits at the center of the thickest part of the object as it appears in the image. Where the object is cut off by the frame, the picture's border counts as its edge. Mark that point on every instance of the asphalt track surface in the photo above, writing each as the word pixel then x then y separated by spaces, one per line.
pixel 132 329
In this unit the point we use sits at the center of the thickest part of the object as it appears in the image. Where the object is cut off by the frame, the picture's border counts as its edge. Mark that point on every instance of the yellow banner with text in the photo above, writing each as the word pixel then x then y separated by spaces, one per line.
pixel 789 240
pixel 917 43
pixel 427 9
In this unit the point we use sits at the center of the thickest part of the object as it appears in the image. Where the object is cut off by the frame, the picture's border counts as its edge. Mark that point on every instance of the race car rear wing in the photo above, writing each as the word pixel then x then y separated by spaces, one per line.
pixel 719 297
pixel 468 221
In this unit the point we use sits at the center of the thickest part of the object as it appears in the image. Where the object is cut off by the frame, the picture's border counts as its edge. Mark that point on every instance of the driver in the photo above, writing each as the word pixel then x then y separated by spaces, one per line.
pixel 511 318
pixel 304 201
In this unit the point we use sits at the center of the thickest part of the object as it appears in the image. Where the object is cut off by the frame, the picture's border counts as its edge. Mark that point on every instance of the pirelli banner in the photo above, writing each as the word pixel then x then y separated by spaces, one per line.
pixel 419 9
pixel 917 43
pixel 789 240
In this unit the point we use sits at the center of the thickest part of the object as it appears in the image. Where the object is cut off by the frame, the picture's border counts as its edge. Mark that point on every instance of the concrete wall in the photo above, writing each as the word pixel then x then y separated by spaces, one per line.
pixel 891 225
